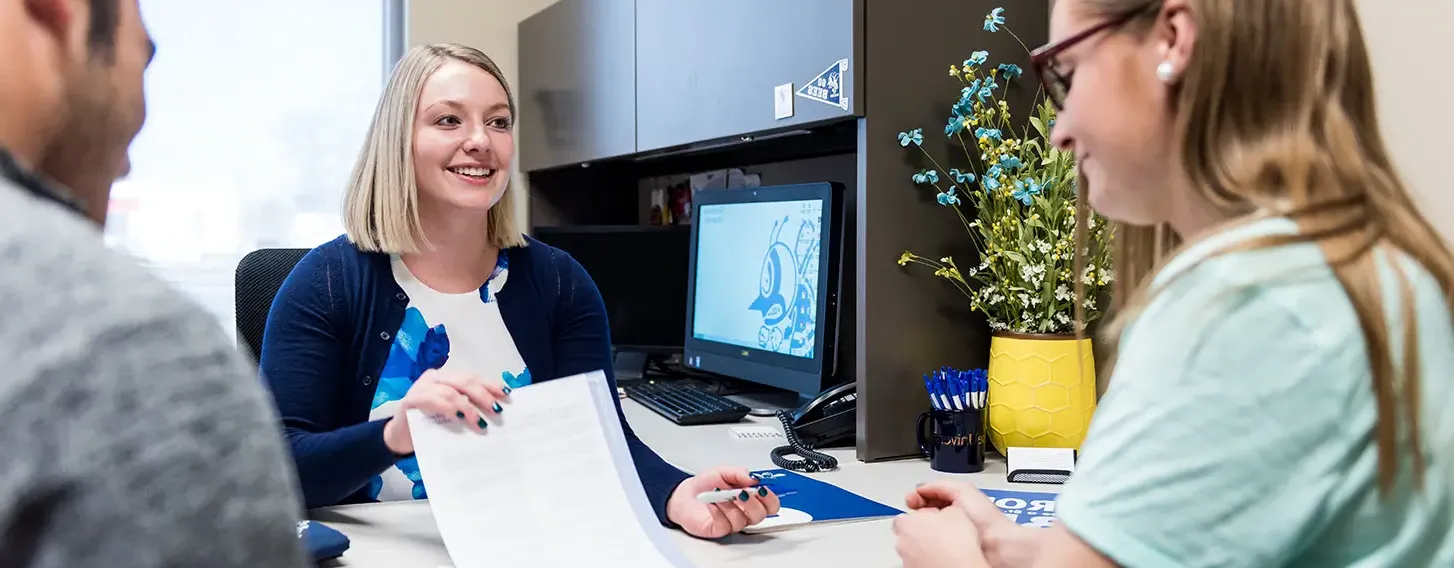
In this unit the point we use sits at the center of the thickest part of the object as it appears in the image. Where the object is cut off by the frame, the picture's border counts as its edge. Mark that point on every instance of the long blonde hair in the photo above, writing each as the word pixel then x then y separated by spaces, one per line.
pixel 1276 110
pixel 381 205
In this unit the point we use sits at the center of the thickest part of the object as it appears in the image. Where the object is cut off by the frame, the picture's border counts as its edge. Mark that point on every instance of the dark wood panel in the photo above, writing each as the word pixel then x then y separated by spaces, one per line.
pixel 706 69
pixel 910 322
pixel 577 92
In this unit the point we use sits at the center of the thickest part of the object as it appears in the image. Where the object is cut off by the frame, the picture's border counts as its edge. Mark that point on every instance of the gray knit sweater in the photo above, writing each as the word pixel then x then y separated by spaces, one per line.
pixel 131 432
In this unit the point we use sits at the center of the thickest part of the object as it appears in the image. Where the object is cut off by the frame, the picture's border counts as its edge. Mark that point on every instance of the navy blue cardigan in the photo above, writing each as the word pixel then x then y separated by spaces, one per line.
pixel 330 329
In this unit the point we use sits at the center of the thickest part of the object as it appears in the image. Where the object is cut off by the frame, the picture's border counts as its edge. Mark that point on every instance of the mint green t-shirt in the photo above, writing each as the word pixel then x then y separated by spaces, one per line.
pixel 1238 427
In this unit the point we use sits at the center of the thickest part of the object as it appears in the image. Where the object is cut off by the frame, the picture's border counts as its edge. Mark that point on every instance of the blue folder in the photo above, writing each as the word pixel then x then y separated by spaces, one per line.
pixel 807 501
pixel 1024 507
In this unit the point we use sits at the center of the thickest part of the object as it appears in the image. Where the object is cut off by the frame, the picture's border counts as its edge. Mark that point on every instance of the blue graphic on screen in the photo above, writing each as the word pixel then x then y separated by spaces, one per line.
pixel 757 275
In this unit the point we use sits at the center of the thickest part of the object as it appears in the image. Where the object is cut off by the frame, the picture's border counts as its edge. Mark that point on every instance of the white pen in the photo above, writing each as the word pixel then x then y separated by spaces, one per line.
pixel 720 496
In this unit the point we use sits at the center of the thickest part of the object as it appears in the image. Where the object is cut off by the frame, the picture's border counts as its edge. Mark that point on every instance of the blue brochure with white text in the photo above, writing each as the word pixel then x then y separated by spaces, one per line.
pixel 1024 507
pixel 808 501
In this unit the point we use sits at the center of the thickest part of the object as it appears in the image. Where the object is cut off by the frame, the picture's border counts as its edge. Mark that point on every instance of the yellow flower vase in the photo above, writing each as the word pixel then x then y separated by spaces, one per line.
pixel 1042 391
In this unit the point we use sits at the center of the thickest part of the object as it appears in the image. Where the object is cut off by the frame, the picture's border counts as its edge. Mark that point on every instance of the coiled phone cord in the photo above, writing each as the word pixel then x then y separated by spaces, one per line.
pixel 812 460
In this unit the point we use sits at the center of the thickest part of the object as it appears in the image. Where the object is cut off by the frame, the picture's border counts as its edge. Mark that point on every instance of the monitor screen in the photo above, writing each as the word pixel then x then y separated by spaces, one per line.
pixel 757 275
pixel 762 292
pixel 641 273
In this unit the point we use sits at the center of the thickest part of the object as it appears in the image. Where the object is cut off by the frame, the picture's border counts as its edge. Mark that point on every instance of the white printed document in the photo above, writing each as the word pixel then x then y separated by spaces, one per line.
pixel 551 483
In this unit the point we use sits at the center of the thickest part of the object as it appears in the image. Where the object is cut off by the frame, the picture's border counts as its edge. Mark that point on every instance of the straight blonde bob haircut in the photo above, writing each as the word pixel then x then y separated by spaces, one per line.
pixel 381 205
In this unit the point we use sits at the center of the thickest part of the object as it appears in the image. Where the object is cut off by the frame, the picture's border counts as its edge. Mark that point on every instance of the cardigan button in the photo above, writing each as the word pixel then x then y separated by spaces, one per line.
pixel 401 296
pixel 368 380
pixel 384 335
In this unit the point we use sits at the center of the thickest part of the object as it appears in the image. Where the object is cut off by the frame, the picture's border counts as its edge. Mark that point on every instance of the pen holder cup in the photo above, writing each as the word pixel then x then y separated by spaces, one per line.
pixel 954 440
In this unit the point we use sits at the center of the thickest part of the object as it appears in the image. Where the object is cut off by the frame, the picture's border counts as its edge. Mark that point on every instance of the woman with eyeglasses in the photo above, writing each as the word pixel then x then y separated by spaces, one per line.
pixel 1278 392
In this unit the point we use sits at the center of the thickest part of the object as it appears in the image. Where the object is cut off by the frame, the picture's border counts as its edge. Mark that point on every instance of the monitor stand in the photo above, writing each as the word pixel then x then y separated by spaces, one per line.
pixel 769 402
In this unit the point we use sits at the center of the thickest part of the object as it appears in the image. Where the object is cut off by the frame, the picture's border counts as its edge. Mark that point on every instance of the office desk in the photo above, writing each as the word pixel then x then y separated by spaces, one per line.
pixel 402 534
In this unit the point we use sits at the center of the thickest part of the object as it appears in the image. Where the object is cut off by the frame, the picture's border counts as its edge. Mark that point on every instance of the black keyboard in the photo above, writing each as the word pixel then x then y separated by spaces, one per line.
pixel 686 405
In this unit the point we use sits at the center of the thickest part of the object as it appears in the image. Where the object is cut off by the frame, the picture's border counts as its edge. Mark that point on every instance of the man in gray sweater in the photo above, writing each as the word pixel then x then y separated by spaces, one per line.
pixel 131 432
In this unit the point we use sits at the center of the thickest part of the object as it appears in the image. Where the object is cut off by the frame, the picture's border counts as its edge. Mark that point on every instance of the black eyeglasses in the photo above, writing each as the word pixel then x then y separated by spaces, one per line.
pixel 1057 83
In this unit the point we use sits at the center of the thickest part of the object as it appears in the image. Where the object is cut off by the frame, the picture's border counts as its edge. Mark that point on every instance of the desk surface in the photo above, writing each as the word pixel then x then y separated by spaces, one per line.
pixel 403 534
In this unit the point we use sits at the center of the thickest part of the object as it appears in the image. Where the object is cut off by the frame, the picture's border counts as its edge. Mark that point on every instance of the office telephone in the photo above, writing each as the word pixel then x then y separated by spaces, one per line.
pixel 824 422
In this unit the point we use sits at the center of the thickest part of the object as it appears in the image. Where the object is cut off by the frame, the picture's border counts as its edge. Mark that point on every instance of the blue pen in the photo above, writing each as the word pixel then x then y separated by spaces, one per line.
pixel 939 396
pixel 956 390
pixel 948 390
pixel 934 391
pixel 981 388
pixel 962 378
pixel 929 388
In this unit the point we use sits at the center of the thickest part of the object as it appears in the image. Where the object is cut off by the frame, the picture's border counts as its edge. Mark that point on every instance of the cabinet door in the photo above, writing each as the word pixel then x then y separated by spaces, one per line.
pixel 577 95
pixel 707 69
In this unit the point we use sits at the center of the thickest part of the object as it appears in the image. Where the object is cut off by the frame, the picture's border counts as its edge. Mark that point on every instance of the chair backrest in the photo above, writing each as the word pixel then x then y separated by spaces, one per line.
pixel 259 276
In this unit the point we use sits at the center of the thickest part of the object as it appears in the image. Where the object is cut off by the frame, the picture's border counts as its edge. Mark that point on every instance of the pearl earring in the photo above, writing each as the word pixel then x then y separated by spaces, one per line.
pixel 1164 71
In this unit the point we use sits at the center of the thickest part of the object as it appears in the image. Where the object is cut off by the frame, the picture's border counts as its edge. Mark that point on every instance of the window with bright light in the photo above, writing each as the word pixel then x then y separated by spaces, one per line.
pixel 255 113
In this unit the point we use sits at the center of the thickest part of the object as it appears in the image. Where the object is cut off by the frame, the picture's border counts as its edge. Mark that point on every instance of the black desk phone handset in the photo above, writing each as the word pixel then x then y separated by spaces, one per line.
pixel 826 421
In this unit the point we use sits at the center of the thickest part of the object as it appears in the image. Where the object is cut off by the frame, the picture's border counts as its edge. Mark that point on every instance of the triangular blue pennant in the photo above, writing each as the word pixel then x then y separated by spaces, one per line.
pixel 827 87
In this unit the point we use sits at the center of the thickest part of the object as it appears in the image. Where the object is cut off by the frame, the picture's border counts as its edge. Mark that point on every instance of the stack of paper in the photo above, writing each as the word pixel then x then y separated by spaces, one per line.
pixel 551 483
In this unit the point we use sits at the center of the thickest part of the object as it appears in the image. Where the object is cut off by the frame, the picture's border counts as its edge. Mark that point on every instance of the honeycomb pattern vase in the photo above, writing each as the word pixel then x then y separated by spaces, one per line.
pixel 1042 391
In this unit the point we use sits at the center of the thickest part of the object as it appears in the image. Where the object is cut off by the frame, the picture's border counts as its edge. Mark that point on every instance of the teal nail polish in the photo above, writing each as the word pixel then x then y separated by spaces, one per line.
pixel 499 408
pixel 743 496
pixel 762 492
pixel 459 415
pixel 508 389
pixel 482 423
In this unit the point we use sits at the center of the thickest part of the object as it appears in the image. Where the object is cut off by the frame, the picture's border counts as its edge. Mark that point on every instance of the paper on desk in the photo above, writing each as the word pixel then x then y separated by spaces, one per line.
pixel 551 483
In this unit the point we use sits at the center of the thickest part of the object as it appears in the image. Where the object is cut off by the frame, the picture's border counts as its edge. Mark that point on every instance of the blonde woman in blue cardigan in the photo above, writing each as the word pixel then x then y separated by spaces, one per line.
pixel 435 301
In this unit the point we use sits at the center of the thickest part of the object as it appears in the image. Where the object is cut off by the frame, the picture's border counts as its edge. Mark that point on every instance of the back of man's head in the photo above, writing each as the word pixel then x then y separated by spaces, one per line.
pixel 71 97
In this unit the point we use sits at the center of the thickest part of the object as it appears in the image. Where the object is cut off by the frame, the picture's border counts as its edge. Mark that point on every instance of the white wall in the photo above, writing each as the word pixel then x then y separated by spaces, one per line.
pixel 1408 41
pixel 486 25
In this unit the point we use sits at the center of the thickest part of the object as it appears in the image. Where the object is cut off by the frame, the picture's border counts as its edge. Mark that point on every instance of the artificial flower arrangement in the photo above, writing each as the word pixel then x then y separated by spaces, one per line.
pixel 1015 195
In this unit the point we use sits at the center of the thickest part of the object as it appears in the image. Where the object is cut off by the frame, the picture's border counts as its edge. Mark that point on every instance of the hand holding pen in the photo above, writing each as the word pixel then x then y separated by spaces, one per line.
pixel 721 501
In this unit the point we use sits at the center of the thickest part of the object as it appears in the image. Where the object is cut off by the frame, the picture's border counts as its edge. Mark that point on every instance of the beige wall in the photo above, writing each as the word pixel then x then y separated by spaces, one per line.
pixel 1408 39
pixel 487 25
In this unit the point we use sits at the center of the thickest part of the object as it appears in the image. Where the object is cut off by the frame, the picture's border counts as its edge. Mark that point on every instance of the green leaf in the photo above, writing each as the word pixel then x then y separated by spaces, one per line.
pixel 1039 127
pixel 1048 294
pixel 1015 256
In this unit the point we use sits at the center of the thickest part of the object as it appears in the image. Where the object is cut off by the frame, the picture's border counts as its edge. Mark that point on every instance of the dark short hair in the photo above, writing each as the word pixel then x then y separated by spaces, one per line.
pixel 101 37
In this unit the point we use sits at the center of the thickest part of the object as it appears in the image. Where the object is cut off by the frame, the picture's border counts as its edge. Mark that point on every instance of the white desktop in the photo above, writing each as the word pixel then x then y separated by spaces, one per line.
pixel 403 534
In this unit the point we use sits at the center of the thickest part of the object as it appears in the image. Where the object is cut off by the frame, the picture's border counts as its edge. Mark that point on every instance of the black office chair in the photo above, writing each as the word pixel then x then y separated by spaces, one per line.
pixel 259 276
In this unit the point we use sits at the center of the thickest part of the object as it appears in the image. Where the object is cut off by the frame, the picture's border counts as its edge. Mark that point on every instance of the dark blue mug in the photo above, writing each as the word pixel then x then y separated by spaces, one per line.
pixel 955 440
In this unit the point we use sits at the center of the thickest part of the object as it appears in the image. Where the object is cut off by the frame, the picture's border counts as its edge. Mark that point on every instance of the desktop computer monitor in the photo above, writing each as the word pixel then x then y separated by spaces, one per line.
pixel 642 275
pixel 762 285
